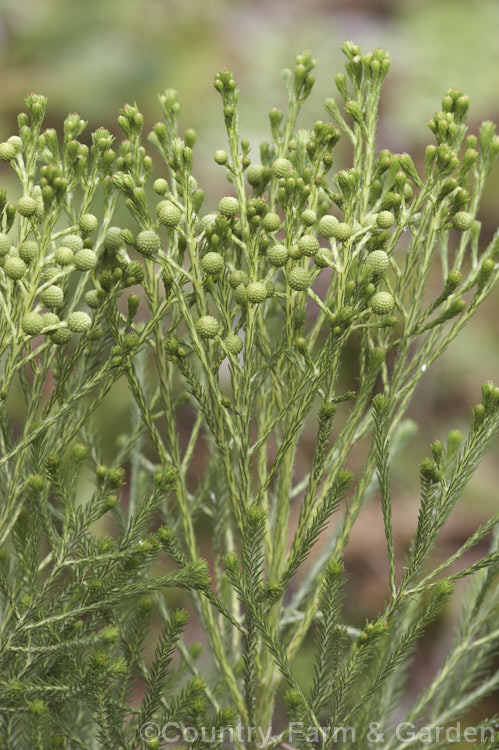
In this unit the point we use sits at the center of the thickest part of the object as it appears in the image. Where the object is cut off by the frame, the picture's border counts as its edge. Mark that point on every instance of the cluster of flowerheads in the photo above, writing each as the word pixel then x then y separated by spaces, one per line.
pixel 272 240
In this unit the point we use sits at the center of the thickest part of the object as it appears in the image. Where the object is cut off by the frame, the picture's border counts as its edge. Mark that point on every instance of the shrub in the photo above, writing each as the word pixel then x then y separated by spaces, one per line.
pixel 250 314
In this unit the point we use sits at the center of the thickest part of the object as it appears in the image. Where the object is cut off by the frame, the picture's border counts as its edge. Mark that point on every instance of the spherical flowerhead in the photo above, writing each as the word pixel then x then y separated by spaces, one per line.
pixel 241 295
pixel 212 263
pixel 28 250
pixel 88 223
pixel 85 259
pixel 254 174
pixel 308 245
pixel 14 267
pixel 238 277
pixel 233 343
pixel 342 231
pixel 160 186
pixel 4 244
pixel 78 321
pixel 61 335
pixel 26 206
pixel 92 299
pixel 294 252
pixel 382 303
pixel 281 168
pixel 52 297
pixel 7 151
pixel 148 243
pixel 462 221
pixel 48 272
pixel 207 327
pixel 64 256
pixel 299 279
pixel 228 206
pixel 256 292
pixel 221 157
pixel 326 226
pixel 208 219
pixel 323 258
pixel 277 255
pixel 74 242
pixel 50 320
pixel 378 261
pixel 385 219
pixel 271 222
pixel 32 324
pixel 16 141
pixel 113 239
pixel 308 217
pixel 168 214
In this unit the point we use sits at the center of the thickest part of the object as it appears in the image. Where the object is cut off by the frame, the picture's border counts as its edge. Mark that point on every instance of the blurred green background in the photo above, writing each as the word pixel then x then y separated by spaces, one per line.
pixel 93 56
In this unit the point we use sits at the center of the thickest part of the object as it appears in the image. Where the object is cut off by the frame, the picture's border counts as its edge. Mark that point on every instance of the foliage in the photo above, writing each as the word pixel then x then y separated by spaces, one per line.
pixel 247 316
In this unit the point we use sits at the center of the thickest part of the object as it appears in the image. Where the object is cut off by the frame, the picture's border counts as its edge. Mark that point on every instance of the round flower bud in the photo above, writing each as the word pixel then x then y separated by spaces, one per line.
pixel 7 151
pixel 208 220
pixel 271 222
pixel 308 245
pixel 240 295
pixel 48 273
pixel 4 244
pixel 281 168
pixel 238 277
pixel 207 326
pixel 308 217
pixel 378 261
pixel 88 223
pixel 228 206
pixel 168 214
pixel 254 174
pixel 233 344
pixel 221 157
pixel 148 243
pixel 294 252
pixel 26 206
pixel 212 263
pixel 32 324
pixel 61 335
pixel 462 221
pixel 52 297
pixel 113 239
pixel 92 299
pixel 14 268
pixel 277 255
pixel 78 321
pixel 64 256
pixel 270 288
pixel 28 250
pixel 85 259
pixel 382 303
pixel 326 226
pixel 160 186
pixel 299 279
pixel 256 292
pixel 323 258
pixel 385 219
pixel 15 141
pixel 74 242
pixel 342 231
pixel 50 320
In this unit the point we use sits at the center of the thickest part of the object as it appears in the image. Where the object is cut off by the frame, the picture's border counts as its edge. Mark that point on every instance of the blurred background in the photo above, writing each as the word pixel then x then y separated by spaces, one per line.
pixel 94 56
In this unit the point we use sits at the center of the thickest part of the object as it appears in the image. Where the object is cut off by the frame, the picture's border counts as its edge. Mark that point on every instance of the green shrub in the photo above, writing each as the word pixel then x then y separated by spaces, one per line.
pixel 245 316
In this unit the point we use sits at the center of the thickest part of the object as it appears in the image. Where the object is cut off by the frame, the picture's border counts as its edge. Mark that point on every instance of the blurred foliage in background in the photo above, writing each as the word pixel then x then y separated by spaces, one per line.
pixel 92 56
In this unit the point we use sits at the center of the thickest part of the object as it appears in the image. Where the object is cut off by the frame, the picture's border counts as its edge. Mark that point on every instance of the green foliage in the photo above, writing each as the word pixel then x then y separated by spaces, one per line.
pixel 246 317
